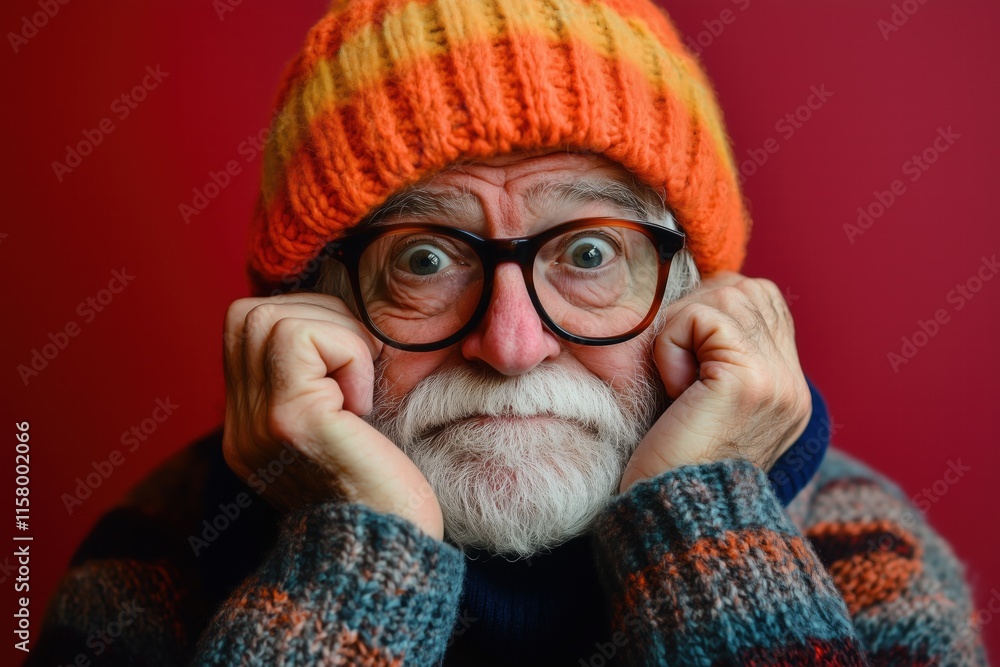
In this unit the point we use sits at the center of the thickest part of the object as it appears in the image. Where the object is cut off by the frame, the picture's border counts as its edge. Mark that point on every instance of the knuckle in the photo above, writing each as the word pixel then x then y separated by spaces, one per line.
pixel 324 300
pixel 731 297
pixel 761 291
pixel 238 308
pixel 261 317
pixel 772 294
pixel 335 302
pixel 767 286
pixel 682 305
pixel 772 300
pixel 236 313
pixel 288 331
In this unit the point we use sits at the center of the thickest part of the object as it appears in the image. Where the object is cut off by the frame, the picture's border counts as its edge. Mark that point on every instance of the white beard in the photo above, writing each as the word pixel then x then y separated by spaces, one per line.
pixel 507 483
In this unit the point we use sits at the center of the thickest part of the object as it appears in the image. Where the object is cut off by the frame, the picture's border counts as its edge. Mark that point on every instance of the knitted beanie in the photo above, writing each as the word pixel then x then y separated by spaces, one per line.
pixel 387 92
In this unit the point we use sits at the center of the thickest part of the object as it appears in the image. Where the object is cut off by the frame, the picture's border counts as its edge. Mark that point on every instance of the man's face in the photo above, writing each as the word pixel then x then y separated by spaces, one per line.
pixel 522 435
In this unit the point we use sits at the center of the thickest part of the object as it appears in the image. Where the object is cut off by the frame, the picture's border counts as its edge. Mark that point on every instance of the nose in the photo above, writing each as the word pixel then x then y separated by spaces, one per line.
pixel 511 338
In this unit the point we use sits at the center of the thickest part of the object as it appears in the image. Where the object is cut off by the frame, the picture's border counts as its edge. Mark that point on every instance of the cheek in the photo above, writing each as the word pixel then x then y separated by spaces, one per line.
pixel 403 370
pixel 617 365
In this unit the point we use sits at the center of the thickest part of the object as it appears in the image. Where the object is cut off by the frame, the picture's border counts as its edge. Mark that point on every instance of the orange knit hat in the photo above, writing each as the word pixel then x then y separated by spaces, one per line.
pixel 387 92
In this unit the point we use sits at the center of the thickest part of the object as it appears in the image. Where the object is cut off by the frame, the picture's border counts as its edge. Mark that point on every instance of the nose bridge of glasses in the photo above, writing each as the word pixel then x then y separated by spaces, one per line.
pixel 518 251
pixel 508 250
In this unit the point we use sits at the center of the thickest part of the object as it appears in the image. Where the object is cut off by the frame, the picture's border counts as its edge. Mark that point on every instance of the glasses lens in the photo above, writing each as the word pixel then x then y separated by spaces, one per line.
pixel 419 287
pixel 597 282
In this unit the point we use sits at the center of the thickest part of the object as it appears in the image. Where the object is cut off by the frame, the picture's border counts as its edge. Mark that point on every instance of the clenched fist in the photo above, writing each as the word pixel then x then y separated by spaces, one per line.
pixel 299 372
pixel 728 360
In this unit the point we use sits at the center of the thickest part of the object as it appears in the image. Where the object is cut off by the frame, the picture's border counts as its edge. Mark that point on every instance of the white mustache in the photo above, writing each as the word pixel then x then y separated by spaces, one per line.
pixel 466 392
pixel 564 469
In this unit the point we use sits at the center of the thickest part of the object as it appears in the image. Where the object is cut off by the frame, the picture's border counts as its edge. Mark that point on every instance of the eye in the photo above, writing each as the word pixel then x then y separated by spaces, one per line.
pixel 423 260
pixel 588 252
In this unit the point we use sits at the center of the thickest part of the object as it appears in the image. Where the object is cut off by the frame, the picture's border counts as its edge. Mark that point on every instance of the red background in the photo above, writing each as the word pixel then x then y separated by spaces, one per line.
pixel 160 337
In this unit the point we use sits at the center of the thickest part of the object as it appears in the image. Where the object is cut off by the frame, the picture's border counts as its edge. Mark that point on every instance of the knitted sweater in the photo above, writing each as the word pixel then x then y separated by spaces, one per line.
pixel 701 565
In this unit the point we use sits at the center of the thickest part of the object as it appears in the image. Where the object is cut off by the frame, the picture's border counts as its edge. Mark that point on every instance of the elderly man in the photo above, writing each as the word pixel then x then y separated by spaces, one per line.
pixel 502 396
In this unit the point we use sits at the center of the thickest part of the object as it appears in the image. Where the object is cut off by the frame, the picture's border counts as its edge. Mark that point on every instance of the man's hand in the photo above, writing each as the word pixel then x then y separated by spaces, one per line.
pixel 727 358
pixel 299 371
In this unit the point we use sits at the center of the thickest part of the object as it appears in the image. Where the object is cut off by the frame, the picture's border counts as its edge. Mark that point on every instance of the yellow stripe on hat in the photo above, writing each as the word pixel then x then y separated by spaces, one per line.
pixel 424 30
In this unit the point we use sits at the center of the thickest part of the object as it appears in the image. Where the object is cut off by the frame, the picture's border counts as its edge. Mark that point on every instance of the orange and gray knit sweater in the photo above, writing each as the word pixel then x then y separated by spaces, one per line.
pixel 702 565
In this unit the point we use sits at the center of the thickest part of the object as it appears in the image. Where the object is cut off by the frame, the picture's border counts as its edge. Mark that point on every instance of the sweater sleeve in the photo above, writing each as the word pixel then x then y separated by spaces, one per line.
pixel 343 585
pixel 129 597
pixel 703 566
pixel 903 585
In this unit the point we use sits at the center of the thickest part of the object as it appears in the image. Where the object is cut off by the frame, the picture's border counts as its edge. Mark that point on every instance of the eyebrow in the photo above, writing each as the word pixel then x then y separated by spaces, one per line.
pixel 461 205
pixel 419 201
pixel 609 191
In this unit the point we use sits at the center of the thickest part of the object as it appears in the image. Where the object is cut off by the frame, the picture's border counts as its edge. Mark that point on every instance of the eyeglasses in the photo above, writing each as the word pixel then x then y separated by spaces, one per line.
pixel 423 287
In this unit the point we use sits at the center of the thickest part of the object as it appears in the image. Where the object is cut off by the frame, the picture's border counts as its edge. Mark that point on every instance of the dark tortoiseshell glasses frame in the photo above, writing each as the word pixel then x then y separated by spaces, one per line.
pixel 492 253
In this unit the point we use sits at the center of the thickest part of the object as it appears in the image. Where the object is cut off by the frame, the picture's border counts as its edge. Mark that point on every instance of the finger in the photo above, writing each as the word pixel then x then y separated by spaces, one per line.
pixel 677 364
pixel 232 346
pixel 246 398
pixel 328 307
pixel 696 338
pixel 236 329
pixel 778 312
pixel 262 318
pixel 749 303
pixel 759 307
pixel 320 362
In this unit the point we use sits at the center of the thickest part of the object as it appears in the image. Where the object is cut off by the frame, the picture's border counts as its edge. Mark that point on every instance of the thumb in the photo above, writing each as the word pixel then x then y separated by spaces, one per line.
pixel 673 350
